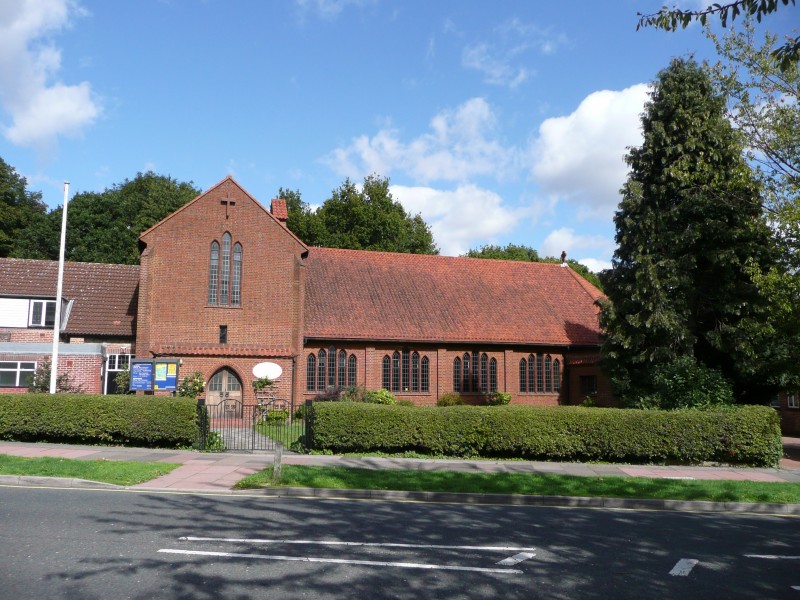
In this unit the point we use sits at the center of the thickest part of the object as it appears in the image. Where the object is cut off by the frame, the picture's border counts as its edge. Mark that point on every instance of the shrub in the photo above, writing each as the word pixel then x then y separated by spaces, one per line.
pixel 450 399
pixel 87 418
pixel 192 386
pixel 747 435
pixel 405 402
pixel 685 383
pixel 498 398
pixel 40 382
pixel 331 394
pixel 276 416
pixel 379 397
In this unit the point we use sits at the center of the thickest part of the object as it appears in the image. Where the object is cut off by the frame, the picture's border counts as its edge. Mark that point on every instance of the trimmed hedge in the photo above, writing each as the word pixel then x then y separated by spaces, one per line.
pixel 748 435
pixel 88 418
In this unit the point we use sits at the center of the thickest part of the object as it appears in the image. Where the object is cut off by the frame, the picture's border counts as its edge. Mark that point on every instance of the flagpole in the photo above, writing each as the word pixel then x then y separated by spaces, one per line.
pixel 57 324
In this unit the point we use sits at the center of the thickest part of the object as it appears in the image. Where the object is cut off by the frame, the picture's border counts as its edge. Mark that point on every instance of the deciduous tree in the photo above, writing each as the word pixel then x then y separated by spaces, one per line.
pixel 19 207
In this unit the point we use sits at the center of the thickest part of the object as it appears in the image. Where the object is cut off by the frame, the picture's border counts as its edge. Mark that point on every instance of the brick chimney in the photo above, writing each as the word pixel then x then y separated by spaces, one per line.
pixel 279 211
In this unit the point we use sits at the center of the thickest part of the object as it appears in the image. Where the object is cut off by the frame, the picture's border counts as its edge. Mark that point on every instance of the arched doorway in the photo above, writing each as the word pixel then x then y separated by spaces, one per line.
pixel 224 394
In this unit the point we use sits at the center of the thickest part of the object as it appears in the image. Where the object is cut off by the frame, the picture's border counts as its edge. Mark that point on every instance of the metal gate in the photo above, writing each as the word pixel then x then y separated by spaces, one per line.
pixel 231 425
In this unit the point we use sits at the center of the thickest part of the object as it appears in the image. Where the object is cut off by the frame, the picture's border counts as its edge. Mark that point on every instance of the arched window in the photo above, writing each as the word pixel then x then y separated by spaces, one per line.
pixel 476 382
pixel 415 372
pixel 484 373
pixel 213 274
pixel 466 372
pixel 225 269
pixel 493 375
pixel 332 367
pixel 396 372
pixel 351 370
pixel 386 382
pixel 341 368
pixel 531 373
pixel 539 374
pixel 425 374
pixel 548 374
pixel 406 369
pixel 556 375
pixel 236 279
pixel 523 375
pixel 311 373
pixel 321 364
pixel 457 375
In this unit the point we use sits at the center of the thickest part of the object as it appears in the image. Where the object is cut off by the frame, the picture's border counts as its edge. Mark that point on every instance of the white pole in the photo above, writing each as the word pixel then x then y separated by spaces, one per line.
pixel 57 324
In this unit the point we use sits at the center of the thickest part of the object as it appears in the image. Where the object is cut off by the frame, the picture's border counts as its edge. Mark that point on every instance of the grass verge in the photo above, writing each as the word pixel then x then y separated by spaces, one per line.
pixel 106 471
pixel 532 484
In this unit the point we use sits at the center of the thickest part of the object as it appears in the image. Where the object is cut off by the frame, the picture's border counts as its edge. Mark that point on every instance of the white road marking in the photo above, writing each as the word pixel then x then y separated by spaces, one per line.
pixel 338 543
pixel 773 556
pixel 517 558
pixel 796 587
pixel 341 561
pixel 683 567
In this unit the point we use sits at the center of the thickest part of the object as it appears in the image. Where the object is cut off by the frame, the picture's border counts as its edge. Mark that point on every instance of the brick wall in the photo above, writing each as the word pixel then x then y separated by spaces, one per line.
pixel 84 370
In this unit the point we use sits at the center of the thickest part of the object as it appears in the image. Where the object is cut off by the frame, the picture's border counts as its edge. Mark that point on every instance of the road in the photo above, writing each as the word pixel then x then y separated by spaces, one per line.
pixel 61 543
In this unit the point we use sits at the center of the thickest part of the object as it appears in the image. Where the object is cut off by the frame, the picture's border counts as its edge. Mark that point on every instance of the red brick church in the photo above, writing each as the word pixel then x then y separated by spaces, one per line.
pixel 223 285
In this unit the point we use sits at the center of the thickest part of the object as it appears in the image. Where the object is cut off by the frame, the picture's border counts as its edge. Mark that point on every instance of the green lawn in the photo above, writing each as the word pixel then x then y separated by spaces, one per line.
pixel 285 434
pixel 533 484
pixel 118 472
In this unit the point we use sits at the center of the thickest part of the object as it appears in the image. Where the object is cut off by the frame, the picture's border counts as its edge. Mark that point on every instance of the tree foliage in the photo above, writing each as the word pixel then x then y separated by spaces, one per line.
pixel 363 217
pixel 19 208
pixel 104 227
pixel 671 19
pixel 690 229
pixel 527 254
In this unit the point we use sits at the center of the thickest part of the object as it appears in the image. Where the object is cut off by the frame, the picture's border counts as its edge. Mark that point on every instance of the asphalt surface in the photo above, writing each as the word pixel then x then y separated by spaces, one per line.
pixel 68 543
pixel 218 472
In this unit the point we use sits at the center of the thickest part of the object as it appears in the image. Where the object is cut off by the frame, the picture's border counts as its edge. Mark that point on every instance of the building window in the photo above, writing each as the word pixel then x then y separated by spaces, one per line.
pixel 351 370
pixel 466 372
pixel 457 374
pixel 484 373
pixel 475 372
pixel 311 373
pixel 396 372
pixel 531 373
pixel 341 368
pixel 332 367
pixel 792 400
pixel 406 369
pixel 213 274
pixel 16 373
pixel 556 375
pixel 523 375
pixel 236 276
pixel 224 280
pixel 43 313
pixel 539 374
pixel 225 269
pixel 548 374
pixel 492 375
pixel 386 380
pixel 321 364
pixel 424 375
pixel 114 364
pixel 223 334
pixel 588 385
pixel 415 372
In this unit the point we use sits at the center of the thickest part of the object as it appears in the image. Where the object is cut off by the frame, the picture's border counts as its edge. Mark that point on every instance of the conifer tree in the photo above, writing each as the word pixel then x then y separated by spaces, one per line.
pixel 689 229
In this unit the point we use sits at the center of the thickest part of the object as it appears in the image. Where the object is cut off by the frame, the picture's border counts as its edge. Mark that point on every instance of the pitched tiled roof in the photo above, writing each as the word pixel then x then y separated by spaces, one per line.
pixel 279 209
pixel 361 295
pixel 105 295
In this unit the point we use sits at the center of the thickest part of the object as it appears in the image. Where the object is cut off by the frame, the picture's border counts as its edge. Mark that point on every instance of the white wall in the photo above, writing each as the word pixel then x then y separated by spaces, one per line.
pixel 14 312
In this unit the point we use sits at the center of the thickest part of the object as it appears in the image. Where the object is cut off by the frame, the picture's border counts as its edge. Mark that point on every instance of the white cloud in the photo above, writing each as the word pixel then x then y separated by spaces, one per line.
pixel 565 239
pixel 502 60
pixel 580 157
pixel 328 9
pixel 460 219
pixel 461 144
pixel 41 108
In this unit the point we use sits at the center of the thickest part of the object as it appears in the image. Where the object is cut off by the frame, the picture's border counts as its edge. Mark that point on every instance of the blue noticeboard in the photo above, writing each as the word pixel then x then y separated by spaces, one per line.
pixel 141 376
pixel 166 376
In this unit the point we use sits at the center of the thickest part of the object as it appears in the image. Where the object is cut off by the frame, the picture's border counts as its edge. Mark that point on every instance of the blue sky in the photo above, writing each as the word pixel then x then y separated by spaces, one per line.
pixel 499 122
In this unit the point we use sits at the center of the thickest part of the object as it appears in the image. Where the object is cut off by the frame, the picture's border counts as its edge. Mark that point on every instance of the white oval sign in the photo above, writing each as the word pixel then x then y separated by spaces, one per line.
pixel 267 369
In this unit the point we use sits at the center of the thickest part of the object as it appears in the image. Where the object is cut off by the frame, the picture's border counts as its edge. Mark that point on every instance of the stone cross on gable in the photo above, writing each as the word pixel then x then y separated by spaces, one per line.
pixel 227 202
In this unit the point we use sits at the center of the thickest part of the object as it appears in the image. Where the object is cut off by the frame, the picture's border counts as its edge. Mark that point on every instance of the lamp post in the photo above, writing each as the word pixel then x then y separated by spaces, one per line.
pixel 57 324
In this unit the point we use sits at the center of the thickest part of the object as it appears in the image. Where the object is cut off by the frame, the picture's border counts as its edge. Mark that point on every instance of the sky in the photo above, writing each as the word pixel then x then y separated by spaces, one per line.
pixel 498 121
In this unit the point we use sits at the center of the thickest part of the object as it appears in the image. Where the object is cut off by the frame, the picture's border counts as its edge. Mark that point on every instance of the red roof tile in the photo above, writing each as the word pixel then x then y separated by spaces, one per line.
pixel 279 210
pixel 105 295
pixel 363 295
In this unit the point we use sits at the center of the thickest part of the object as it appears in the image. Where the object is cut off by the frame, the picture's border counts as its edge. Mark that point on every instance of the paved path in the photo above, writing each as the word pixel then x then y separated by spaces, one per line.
pixel 219 471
